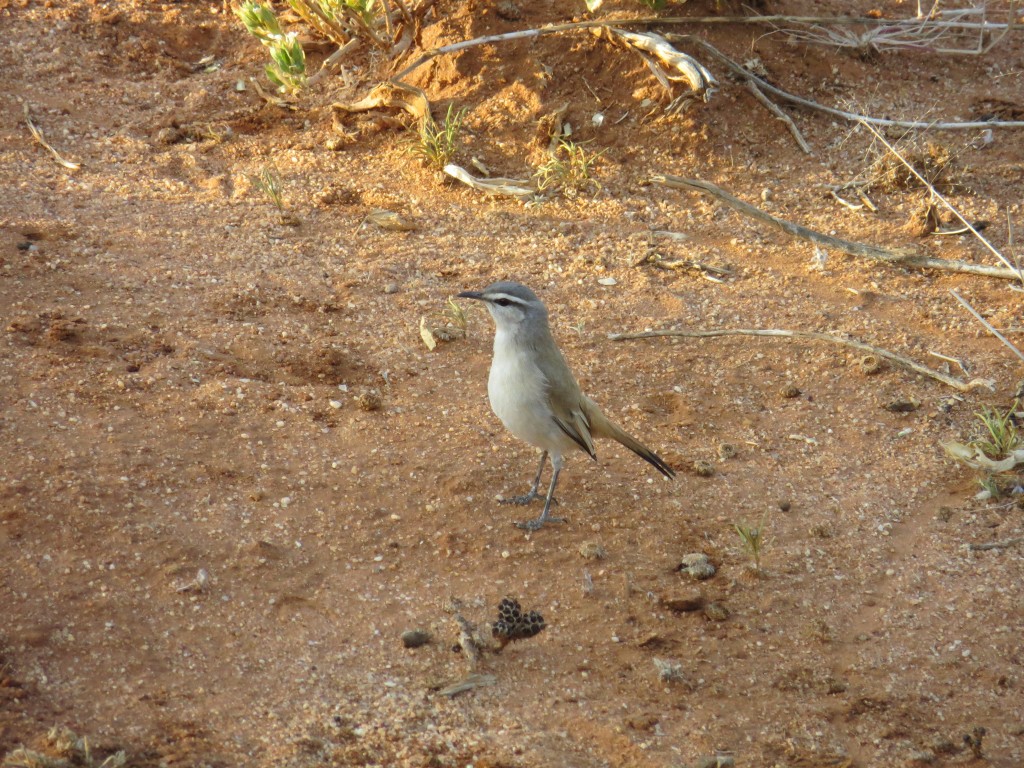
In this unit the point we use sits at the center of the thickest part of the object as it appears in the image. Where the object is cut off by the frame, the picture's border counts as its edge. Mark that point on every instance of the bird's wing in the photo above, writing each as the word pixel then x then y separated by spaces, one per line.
pixel 575 425
pixel 567 407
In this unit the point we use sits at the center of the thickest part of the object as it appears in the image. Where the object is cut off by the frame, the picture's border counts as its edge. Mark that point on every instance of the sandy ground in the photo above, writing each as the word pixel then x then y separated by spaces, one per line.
pixel 188 385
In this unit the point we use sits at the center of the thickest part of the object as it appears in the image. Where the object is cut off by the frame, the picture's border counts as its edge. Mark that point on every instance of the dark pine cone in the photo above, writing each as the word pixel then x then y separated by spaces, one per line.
pixel 513 624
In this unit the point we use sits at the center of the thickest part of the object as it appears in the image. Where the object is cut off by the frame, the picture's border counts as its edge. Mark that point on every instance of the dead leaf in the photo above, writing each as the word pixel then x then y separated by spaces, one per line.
pixel 427 335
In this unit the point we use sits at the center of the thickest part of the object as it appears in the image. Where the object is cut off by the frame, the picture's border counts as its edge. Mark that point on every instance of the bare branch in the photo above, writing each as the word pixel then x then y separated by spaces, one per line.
pixel 774 108
pixel 935 194
pixel 991 329
pixel 900 360
pixel 768 87
pixel 902 257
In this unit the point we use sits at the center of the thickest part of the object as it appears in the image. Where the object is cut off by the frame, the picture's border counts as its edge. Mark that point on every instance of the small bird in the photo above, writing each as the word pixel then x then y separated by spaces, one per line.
pixel 533 392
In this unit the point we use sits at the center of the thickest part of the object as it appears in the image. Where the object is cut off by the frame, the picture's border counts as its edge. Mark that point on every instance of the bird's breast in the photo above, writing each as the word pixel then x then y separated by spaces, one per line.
pixel 518 393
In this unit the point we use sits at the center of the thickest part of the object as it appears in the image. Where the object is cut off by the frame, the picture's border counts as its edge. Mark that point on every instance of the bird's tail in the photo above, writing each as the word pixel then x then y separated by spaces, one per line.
pixel 601 426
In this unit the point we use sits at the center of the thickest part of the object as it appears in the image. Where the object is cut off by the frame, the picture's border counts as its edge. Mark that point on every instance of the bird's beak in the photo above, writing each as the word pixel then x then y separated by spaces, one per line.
pixel 472 295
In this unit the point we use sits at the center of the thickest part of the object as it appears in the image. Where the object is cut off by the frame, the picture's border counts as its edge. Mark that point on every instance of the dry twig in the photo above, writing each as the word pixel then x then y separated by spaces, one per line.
pixel 991 329
pixel 38 136
pixel 768 87
pixel 901 257
pixel 936 196
pixel 774 108
pixel 900 360
pixel 997 544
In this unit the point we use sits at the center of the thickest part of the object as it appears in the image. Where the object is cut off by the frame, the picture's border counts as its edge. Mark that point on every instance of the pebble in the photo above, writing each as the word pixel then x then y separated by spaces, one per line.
pixel 368 401
pixel 716 761
pixel 704 468
pixel 697 566
pixel 789 391
pixel 414 638
pixel 592 550
pixel 716 612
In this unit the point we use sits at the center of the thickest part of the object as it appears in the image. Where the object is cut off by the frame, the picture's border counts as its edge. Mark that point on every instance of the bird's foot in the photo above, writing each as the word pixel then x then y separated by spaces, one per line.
pixel 537 523
pixel 526 498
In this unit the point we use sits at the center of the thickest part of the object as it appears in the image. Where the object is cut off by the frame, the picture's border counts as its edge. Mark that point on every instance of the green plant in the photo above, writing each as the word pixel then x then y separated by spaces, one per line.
pixel 270 184
pixel 364 10
pixel 996 450
pixel 568 170
pixel 1000 437
pixel 456 315
pixel 435 144
pixel 287 67
pixel 753 540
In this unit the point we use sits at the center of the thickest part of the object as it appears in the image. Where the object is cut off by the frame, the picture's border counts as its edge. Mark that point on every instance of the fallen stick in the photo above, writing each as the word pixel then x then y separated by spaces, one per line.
pixel 996 544
pixel 902 257
pixel 38 136
pixel 852 117
pixel 936 196
pixel 988 326
pixel 900 360
pixel 774 108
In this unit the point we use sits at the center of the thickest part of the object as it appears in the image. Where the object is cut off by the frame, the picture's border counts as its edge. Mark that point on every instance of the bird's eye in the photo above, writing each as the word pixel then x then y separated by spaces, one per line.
pixel 502 302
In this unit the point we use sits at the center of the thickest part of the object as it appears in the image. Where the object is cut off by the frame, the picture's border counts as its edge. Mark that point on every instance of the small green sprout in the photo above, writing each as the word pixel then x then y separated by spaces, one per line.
pixel 269 182
pixel 753 540
pixel 436 143
pixel 570 174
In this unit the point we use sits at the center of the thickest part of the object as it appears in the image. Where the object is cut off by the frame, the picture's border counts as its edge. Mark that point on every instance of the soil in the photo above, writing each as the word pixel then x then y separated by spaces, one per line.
pixel 233 474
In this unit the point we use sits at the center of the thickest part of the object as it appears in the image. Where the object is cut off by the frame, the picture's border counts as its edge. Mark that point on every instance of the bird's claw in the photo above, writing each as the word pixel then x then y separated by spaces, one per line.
pixel 537 523
pixel 526 498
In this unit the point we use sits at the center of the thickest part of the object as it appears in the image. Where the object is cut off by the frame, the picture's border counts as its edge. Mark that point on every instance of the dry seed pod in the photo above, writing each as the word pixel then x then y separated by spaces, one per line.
pixel 870 364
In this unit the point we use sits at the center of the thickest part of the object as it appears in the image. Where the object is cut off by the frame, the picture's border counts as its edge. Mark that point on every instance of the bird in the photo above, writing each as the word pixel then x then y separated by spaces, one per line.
pixel 533 392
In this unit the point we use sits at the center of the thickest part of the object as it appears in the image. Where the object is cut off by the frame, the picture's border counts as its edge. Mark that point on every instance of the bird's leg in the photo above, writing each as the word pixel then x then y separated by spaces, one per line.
pixel 526 498
pixel 545 517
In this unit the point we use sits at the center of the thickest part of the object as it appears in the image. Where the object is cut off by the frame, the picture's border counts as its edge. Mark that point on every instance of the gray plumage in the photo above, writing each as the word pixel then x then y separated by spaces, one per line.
pixel 534 393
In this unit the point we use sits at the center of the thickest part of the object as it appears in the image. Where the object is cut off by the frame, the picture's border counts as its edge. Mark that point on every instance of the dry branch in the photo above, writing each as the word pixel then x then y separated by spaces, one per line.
pixel 518 188
pixel 38 136
pixel 936 196
pixel 766 86
pixel 901 257
pixel 991 329
pixel 900 360
pixel 996 544
pixel 774 108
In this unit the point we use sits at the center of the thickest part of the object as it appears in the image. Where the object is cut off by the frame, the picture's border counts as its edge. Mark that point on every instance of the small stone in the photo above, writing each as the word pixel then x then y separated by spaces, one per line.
pixel 905 405
pixel 592 550
pixel 704 468
pixel 508 10
pixel 716 761
pixel 414 638
pixel 368 401
pixel 168 136
pixel 668 669
pixel 716 611
pixel 789 391
pixel 697 566
pixel 391 288
pixel 607 281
